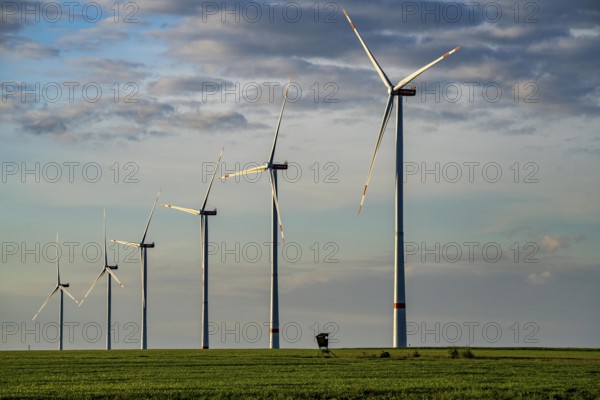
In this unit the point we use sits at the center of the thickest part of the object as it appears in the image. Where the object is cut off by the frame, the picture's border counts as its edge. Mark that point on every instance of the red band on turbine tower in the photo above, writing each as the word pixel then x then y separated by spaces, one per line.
pixel 400 305
pixel 204 347
pixel 274 330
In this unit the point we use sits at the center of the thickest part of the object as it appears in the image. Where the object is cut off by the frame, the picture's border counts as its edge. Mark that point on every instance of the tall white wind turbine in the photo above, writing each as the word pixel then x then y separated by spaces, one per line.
pixel 204 214
pixel 143 246
pixel 275 224
pixel 62 288
pixel 109 270
pixel 399 339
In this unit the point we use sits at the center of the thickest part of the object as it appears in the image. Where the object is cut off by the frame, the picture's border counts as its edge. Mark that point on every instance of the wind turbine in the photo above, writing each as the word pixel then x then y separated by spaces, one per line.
pixel 395 92
pixel 109 270
pixel 143 246
pixel 62 288
pixel 275 223
pixel 203 213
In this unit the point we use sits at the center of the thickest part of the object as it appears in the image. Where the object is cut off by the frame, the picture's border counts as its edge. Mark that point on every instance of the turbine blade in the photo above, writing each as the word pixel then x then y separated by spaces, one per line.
pixel 150 217
pixel 425 68
pixel 92 287
pixel 246 172
pixel 287 89
pixel 212 179
pixel 187 210
pixel 274 192
pixel 131 244
pixel 46 302
pixel 69 294
pixel 110 271
pixel 384 122
pixel 382 75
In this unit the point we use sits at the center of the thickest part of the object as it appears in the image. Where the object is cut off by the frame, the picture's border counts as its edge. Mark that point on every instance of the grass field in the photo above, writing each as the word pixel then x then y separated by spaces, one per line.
pixel 281 374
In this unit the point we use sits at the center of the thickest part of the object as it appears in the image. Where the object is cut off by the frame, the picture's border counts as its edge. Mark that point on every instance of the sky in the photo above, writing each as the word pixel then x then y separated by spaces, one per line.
pixel 105 103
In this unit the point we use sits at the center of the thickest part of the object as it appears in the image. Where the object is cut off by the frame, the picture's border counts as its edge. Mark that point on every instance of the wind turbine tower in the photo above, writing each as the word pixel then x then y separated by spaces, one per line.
pixel 276 225
pixel 62 288
pixel 399 322
pixel 143 246
pixel 204 214
pixel 107 269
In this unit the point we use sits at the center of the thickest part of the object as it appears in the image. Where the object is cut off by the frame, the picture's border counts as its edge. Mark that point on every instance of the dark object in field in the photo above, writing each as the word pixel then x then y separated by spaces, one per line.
pixel 467 353
pixel 323 342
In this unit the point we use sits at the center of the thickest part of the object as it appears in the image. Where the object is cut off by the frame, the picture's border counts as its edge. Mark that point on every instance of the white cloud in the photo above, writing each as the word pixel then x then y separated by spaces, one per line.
pixel 551 244
pixel 539 278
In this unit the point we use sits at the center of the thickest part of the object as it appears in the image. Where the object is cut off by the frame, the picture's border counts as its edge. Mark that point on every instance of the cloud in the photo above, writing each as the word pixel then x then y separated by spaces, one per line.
pixel 510 50
pixel 551 244
pixel 43 124
pixel 108 70
pixel 102 34
pixel 547 241
pixel 175 85
pixel 14 46
pixel 212 121
pixel 539 278
pixel 223 47
pixel 17 46
pixel 82 121
pixel 158 7
pixel 143 111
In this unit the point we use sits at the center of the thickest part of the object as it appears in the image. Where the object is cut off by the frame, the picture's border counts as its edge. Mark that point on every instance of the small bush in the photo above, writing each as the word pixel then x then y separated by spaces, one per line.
pixel 384 354
pixel 453 352
pixel 467 353
pixel 416 354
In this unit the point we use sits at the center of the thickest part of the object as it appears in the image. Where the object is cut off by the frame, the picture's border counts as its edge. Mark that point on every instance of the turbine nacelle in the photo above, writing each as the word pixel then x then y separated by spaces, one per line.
pixel 208 212
pixel 147 245
pixel 403 92
pixel 279 166
pixel 63 284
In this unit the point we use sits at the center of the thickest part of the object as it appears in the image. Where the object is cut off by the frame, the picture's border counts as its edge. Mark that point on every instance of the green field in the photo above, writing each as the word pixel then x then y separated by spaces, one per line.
pixel 281 374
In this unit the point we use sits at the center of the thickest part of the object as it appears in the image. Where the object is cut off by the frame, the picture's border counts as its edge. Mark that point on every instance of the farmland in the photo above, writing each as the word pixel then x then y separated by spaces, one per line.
pixel 281 374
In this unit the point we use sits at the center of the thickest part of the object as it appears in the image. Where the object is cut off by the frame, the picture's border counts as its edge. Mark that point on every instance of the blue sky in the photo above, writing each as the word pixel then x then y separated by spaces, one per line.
pixel 181 79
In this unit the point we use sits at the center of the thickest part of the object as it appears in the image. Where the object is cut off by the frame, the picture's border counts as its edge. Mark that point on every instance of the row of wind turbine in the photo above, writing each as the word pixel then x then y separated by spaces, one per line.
pixel 109 270
pixel 399 301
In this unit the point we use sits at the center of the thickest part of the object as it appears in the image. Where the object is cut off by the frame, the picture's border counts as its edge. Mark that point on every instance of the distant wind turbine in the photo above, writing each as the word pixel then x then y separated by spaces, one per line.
pixel 203 213
pixel 62 288
pixel 143 246
pixel 109 270
pixel 397 91
pixel 275 223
